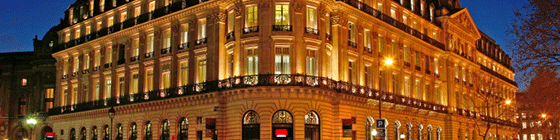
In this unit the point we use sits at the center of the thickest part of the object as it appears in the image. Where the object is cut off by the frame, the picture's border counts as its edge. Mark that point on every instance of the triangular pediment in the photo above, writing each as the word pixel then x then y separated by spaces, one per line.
pixel 464 20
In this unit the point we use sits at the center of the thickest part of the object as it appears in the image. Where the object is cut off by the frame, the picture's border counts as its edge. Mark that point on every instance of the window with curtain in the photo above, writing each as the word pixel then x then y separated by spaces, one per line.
pixel 201 72
pixel 184 129
pixel 311 19
pixel 108 84
pixel 184 73
pixel 251 19
pixel 166 76
pixel 202 28
pixel 133 131
pixel 148 131
pixel 311 63
pixel 165 130
pixel 282 60
pixel 149 80
pixel 252 61
pixel 282 14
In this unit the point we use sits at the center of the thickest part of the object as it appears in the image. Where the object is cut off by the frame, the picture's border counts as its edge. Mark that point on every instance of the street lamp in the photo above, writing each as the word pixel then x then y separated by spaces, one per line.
pixel 111 115
pixel 31 122
pixel 543 115
pixel 402 136
pixel 374 132
pixel 508 102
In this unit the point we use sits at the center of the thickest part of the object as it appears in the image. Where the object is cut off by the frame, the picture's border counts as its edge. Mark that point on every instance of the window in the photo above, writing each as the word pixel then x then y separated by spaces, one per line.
pixel 311 17
pixel 463 73
pixel 88 29
pixel 438 133
pixel 119 132
pixel 380 7
pixel 328 24
pixel 439 99
pixel 73 134
pixel 395 80
pixel 231 22
pixel 381 41
pixel 184 129
pixel 49 95
pixel 184 34
pixel 251 125
pixel 456 69
pixel 108 83
pixel 110 21
pixel 85 91
pixel 393 14
pixel 149 80
pixel 282 15
pixel 67 37
pixel 148 131
pixel 418 89
pixel 76 64
pixel 428 93
pixel 429 135
pixel 252 62
pixel 123 17
pixel 121 86
pixel 406 54
pixel 108 55
pixel 78 34
pixel 407 86
pixel 282 60
pixel 367 77
pixel 230 64
pixel 351 32
pixel 86 61
pixel 397 130
pixel 22 102
pixel 166 39
pixel 106 133
pixel 369 128
pixel 101 5
pixel 252 16
pixel 427 63
pixel 23 81
pixel 282 125
pixel 165 130
pixel 152 6
pixel 74 94
pixel 166 76
pixel 134 83
pixel 184 73
pixel 312 123
pixel 311 63
pixel 417 58
pixel 352 72
pixel 135 47
pixel 96 92
pixel 137 11
pixel 94 133
pixel 150 46
pixel 436 66
pixel 201 76
pixel 202 28
pixel 133 131
pixel 382 81
pixel 367 39
pixel 97 57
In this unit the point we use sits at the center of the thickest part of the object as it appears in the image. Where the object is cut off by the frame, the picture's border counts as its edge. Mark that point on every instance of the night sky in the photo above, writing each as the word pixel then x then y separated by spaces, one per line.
pixel 21 20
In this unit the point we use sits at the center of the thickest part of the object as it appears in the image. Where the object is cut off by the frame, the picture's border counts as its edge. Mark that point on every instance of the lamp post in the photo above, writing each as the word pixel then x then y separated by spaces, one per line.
pixel 507 102
pixel 31 122
pixel 388 62
pixel 111 115
pixel 402 136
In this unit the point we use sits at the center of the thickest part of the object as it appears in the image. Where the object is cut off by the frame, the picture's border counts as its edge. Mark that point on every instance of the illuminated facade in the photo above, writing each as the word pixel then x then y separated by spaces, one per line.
pixel 269 69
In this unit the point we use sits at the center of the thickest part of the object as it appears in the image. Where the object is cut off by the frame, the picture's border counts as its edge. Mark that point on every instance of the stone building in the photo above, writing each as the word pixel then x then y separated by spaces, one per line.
pixel 278 69
pixel 27 85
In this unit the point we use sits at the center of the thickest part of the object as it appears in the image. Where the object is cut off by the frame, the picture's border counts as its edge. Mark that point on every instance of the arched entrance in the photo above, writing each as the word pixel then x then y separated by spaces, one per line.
pixel 44 131
pixel 21 134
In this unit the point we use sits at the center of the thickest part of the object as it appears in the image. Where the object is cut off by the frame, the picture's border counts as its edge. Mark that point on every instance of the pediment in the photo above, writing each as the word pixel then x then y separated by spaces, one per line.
pixel 464 20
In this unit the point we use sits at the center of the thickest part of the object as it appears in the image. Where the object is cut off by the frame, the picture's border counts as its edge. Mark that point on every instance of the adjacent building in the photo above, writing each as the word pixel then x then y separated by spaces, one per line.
pixel 278 69
pixel 27 88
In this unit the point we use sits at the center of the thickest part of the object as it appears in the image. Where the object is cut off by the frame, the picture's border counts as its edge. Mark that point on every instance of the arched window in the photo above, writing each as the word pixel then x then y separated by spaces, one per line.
pixel 133 131
pixel 251 126
pixel 148 131
pixel 312 126
pixel 438 133
pixel 420 127
pixel 409 131
pixel 72 134
pixel 282 125
pixel 184 129
pixel 369 128
pixel 165 130
pixel 21 134
pixel 106 132
pixel 83 133
pixel 397 130
pixel 45 130
pixel 119 132
pixel 94 133
pixel 429 132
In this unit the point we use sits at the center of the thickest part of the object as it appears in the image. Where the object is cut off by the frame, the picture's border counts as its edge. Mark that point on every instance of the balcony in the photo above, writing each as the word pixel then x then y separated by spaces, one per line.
pixel 165 50
pixel 428 71
pixel 310 30
pixel 387 19
pixel 108 65
pixel 407 64
pixel 183 46
pixel 281 27
pixel 367 50
pixel 484 68
pixel 240 82
pixel 230 36
pixel 85 71
pixel 64 76
pixel 134 58
pixel 352 44
pixel 120 61
pixel 149 55
pixel 96 68
pixel 248 30
pixel 418 68
pixel 200 41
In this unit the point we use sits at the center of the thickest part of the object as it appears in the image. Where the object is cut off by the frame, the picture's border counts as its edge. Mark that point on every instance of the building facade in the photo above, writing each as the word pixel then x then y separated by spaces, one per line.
pixel 27 86
pixel 278 69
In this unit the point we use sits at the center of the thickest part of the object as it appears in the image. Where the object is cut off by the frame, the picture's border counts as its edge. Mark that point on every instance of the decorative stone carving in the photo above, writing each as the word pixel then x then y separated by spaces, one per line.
pixel 359 28
pixel 298 7
pixel 219 17
pixel 238 10
pixel 157 33
pixel 192 24
pixel 264 6
pixel 339 20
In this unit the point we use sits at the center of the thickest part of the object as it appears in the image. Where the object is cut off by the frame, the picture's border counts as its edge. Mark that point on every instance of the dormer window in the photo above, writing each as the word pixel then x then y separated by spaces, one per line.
pixel 102 5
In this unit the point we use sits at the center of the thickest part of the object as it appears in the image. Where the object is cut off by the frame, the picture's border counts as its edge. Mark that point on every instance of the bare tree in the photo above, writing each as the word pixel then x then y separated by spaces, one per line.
pixel 535 35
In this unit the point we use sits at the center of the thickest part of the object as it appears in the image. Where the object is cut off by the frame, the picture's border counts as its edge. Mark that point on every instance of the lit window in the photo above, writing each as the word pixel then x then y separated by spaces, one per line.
pixel 123 16
pixel 167 39
pixel 23 81
pixel 74 94
pixel 137 11
pixel 110 21
pixel 352 72
pixel 407 86
pixel 184 73
pixel 184 33
pixel 49 95
pixel 230 63
pixel 166 76
pixel 88 30
pixel 97 57
pixel 417 58
pixel 311 17
pixel 97 91
pixel 351 32
pixel 134 83
pixel 231 21
pixel 252 18
pixel 282 14
pixel 406 54
pixel 311 63
pixel 121 86
pixel 367 39
pixel 108 84
pixel 418 90
pixel 367 76
pixel 150 46
pixel 102 5
pixel 201 76
pixel 282 60
pixel 149 80
pixel 202 28
pixel 76 64
pixel 381 41
pixel 436 66
pixel 393 14
pixel 135 47
pixel 109 55
pixel 78 34
pixel 152 6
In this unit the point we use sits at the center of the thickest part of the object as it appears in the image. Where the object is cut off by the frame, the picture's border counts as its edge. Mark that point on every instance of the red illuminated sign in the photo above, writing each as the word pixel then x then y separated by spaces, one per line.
pixel 49 134
pixel 281 133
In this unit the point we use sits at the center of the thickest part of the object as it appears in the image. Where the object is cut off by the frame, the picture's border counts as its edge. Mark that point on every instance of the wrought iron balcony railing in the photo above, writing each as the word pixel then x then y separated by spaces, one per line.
pixel 253 29
pixel 183 46
pixel 310 30
pixel 281 27
pixel 200 41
